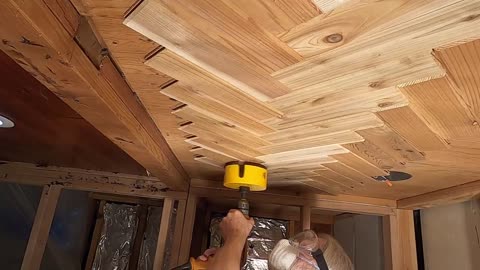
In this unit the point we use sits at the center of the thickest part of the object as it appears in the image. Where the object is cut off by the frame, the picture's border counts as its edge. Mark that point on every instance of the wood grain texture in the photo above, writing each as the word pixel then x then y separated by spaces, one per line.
pixel 410 126
pixel 437 104
pixel 220 149
pixel 354 161
pixel 303 154
pixel 329 5
pixel 245 54
pixel 462 63
pixel 163 231
pixel 41 228
pixel 202 83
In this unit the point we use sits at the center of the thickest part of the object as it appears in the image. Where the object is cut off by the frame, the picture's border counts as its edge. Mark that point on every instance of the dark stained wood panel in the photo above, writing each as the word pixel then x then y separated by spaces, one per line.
pixel 48 132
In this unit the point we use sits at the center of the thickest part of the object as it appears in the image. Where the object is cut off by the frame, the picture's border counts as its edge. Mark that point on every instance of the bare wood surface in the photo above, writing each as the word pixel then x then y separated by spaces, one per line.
pixel 306 214
pixel 177 234
pixel 139 235
pixel 41 228
pixel 163 234
pixel 86 180
pixel 96 234
pixel 399 241
pixel 189 222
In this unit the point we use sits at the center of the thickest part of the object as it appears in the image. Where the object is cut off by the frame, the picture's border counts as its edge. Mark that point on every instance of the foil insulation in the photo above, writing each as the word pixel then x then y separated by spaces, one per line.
pixel 263 238
pixel 113 250
pixel 149 244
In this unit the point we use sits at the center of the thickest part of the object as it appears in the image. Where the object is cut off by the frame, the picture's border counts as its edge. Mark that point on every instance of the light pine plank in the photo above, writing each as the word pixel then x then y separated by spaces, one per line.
pixel 462 63
pixel 392 144
pixel 163 234
pixel 407 124
pixel 204 84
pixel 218 158
pixel 212 146
pixel 349 172
pixel 340 179
pixel 306 128
pixel 234 131
pixel 244 53
pixel 373 155
pixel 328 5
pixel 342 137
pixel 359 164
pixel 303 154
pixel 437 104
pixel 275 16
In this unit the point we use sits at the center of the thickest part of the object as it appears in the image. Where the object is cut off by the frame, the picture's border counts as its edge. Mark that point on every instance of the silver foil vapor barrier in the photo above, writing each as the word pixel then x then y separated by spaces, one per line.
pixel 263 238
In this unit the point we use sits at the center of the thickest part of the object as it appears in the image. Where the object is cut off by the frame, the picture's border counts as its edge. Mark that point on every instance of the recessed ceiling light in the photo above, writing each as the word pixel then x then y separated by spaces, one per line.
pixel 6 123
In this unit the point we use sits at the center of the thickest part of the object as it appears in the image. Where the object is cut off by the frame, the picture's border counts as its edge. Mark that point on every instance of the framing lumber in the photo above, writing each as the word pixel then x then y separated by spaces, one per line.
pixel 41 228
pixel 342 203
pixel 450 195
pixel 97 232
pixel 43 45
pixel 163 234
pixel 306 214
pixel 177 235
pixel 188 224
pixel 86 180
pixel 137 242
pixel 399 237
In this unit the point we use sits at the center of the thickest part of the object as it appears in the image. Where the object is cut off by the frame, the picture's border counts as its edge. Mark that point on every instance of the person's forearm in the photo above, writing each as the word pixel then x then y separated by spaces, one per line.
pixel 229 256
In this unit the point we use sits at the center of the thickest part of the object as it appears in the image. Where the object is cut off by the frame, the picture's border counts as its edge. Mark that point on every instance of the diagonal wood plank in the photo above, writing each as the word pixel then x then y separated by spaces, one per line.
pixel 244 53
pixel 212 146
pixel 359 164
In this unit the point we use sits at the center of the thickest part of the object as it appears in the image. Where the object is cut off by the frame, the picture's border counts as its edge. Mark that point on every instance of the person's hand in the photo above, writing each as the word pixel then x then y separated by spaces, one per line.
pixel 207 253
pixel 235 226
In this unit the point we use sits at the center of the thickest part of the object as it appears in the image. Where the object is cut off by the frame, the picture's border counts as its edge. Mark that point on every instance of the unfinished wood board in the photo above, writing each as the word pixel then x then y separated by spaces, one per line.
pixel 437 104
pixel 312 128
pixel 322 187
pixel 373 155
pixel 204 84
pixel 462 63
pixel 244 53
pixel 340 178
pixel 411 127
pixel 226 151
pixel 219 158
pixel 349 172
pixel 303 154
pixel 230 129
pixel 354 161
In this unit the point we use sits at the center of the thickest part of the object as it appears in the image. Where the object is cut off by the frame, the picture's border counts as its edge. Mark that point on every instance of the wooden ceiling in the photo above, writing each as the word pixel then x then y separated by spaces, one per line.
pixel 48 132
pixel 325 93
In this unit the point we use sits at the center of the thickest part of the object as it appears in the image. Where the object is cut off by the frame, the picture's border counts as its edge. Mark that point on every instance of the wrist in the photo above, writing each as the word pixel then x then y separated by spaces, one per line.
pixel 236 241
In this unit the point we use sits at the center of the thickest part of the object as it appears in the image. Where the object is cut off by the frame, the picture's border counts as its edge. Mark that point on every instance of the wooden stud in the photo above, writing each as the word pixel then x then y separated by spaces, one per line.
pixel 142 216
pixel 399 237
pixel 97 233
pixel 177 235
pixel 291 228
pixel 188 224
pixel 306 213
pixel 163 234
pixel 41 228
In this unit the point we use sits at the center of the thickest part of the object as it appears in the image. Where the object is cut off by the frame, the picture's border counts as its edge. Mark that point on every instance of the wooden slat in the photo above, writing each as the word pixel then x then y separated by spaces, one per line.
pixel 86 180
pixel 373 156
pixel 205 84
pixel 177 234
pixel 212 146
pixel 73 78
pixel 342 137
pixel 275 16
pixel 462 63
pixel 163 234
pixel 188 223
pixel 455 194
pixel 211 162
pixel 392 144
pixel 349 172
pixel 135 249
pixel 41 228
pixel 305 128
pixel 408 125
pixel 399 241
pixel 436 103
pixel 96 235
pixel 221 139
pixel 322 186
pixel 244 54
pixel 225 117
pixel 359 164
pixel 333 101
pixel 303 154
pixel 340 179
pixel 219 158
pixel 329 5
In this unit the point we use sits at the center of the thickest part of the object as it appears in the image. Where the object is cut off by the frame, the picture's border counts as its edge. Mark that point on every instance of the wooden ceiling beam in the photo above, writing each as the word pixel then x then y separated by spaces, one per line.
pixel 43 43
pixel 445 196
pixel 86 180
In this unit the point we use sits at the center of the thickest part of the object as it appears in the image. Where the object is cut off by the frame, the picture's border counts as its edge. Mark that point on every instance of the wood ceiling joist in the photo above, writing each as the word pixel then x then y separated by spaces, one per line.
pixel 222 114
pixel 41 45
pixel 244 53
pixel 206 85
